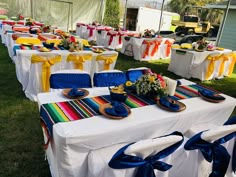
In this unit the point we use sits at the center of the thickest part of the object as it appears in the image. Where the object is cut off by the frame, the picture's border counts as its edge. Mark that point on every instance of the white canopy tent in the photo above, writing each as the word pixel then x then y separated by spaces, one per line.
pixel 61 13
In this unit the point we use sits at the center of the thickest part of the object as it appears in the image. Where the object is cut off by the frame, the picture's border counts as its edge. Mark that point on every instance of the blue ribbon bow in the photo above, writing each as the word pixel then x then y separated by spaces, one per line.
pixel 232 121
pixel 212 152
pixel 145 167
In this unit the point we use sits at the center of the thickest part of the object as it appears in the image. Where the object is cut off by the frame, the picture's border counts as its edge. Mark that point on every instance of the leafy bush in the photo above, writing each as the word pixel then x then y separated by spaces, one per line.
pixel 112 17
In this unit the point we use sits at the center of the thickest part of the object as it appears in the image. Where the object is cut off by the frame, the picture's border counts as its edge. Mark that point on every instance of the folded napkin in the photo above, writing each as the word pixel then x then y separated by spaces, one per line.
pixel 178 83
pixel 165 101
pixel 74 92
pixel 117 110
pixel 211 95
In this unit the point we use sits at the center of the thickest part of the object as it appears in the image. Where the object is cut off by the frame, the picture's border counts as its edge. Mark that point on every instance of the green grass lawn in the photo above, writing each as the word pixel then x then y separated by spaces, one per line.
pixel 21 153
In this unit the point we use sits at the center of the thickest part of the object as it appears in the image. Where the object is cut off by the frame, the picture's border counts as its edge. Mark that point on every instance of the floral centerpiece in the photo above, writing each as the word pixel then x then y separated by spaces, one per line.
pixel 210 47
pixel 148 33
pixel 70 43
pixel 151 85
pixel 46 28
pixel 20 17
pixel 29 22
pixel 201 45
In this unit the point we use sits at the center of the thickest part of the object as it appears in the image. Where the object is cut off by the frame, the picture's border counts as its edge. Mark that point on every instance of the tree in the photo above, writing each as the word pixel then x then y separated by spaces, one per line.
pixel 183 7
pixel 112 13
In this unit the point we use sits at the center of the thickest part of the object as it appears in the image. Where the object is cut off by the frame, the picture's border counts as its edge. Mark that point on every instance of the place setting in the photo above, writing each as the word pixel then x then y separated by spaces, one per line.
pixel 75 93
pixel 116 109
pixel 210 96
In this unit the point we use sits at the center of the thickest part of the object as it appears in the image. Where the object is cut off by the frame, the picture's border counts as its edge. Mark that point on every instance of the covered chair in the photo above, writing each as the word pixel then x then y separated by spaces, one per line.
pixel 32 40
pixel 225 58
pixel 80 60
pixel 70 79
pixel 40 70
pixel 145 158
pixel 133 74
pixel 105 61
pixel 207 69
pixel 209 154
pixel 108 78
pixel 228 62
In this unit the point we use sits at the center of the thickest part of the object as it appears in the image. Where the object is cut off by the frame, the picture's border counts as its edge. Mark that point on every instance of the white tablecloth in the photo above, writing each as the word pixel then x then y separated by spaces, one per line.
pixel 182 61
pixel 72 141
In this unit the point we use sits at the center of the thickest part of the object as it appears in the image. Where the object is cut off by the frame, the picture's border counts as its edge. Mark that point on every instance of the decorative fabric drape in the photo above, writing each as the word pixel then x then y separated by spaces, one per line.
pixel 211 66
pixel 108 60
pixel 46 72
pixel 79 60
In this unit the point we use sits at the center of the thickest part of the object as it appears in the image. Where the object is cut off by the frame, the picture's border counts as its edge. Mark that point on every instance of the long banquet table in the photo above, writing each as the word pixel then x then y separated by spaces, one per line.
pixel 72 141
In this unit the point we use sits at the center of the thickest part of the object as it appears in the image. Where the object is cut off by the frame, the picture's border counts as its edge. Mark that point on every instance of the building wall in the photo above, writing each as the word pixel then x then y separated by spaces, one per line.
pixel 228 39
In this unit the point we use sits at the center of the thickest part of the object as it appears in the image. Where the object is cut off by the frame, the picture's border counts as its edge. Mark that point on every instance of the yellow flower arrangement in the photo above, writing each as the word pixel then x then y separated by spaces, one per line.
pixel 152 85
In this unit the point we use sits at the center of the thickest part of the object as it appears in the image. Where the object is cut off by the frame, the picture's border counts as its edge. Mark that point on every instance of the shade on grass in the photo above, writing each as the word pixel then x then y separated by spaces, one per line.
pixel 21 153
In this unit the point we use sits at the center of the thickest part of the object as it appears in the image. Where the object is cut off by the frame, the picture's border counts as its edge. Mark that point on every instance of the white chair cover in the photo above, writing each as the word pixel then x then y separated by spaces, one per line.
pixel 101 37
pixel 90 33
pixel 87 65
pixel 199 70
pixel 195 165
pixel 127 45
pixel 34 85
pixel 98 65
pixel 228 63
pixel 98 159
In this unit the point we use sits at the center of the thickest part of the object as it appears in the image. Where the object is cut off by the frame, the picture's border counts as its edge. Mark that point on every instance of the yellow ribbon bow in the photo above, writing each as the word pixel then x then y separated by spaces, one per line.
pixel 231 67
pixel 79 60
pixel 211 65
pixel 47 63
pixel 224 58
pixel 108 60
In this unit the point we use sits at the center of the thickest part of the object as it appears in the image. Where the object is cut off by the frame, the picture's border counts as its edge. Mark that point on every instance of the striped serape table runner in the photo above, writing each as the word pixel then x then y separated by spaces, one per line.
pixel 190 91
pixel 33 47
pixel 52 113
pixel 93 48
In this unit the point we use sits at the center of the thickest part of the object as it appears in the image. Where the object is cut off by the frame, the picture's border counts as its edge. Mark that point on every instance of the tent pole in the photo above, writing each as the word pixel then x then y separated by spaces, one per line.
pixel 31 9
pixel 103 10
pixel 68 23
pixel 160 22
pixel 124 20
pixel 223 23
pixel 71 19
